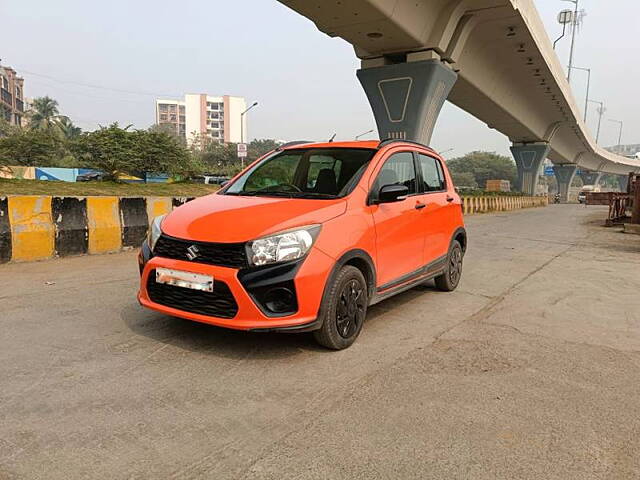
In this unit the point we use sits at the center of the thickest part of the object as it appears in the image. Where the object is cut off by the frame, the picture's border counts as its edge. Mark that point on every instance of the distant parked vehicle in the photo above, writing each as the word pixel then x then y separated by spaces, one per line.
pixel 582 196
pixel 90 177
pixel 216 179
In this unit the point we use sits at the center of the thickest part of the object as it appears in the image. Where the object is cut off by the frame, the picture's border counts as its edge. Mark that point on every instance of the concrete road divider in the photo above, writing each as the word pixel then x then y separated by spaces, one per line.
pixel 32 228
pixel 103 221
pixel 5 231
pixel 69 216
pixel 499 203
pixel 41 227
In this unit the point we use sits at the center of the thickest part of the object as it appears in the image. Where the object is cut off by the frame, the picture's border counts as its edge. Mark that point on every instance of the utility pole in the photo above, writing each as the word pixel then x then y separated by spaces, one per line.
pixel 601 111
pixel 586 100
pixel 573 36
pixel 621 123
pixel 255 104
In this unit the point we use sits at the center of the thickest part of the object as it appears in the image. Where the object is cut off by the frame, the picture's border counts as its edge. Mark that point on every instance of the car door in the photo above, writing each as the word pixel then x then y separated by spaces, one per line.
pixel 399 241
pixel 434 219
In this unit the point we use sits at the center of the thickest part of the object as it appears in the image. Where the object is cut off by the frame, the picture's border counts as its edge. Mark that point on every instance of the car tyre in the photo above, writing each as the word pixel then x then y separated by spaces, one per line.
pixel 343 310
pixel 448 281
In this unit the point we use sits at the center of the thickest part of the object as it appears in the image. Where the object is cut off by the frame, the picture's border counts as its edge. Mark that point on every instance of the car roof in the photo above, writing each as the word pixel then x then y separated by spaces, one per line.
pixel 368 144
pixel 372 144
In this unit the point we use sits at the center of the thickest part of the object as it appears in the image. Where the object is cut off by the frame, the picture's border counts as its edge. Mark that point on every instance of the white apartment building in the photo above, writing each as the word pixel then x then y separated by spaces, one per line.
pixel 217 118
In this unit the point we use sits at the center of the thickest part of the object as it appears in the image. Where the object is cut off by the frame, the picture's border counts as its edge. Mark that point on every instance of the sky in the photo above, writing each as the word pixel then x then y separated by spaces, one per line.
pixel 304 81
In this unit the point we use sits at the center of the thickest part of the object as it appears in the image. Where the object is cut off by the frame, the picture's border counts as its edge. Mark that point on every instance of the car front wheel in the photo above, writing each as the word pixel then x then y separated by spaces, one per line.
pixel 344 310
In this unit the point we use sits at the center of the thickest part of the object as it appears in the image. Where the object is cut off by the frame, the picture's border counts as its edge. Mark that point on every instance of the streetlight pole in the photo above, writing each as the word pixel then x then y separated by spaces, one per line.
pixel 586 100
pixel 573 37
pixel 254 104
pixel 601 111
pixel 621 123
pixel 363 134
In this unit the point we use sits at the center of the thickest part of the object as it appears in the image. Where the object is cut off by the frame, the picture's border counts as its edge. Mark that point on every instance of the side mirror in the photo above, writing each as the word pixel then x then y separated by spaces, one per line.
pixel 392 193
pixel 224 184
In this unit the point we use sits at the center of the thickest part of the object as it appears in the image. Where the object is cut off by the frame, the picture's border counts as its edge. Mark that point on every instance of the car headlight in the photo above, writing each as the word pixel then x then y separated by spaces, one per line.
pixel 281 247
pixel 155 232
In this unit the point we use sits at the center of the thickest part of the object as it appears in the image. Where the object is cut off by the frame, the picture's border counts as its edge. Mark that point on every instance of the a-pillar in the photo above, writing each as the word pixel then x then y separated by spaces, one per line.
pixel 564 177
pixel 529 158
pixel 623 182
pixel 590 178
pixel 406 98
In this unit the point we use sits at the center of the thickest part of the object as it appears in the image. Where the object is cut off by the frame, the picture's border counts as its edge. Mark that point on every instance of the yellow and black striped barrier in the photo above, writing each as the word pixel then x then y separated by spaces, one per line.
pixel 41 227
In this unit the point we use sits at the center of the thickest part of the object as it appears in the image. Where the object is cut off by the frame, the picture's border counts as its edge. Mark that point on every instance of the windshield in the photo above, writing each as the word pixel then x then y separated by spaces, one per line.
pixel 305 173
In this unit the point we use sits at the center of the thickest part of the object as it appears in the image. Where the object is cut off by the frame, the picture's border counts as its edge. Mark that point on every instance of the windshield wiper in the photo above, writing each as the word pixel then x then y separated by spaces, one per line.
pixel 313 195
pixel 257 193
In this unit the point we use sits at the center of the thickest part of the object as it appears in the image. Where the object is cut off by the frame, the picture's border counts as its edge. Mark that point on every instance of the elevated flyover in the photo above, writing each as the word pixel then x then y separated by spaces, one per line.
pixel 492 58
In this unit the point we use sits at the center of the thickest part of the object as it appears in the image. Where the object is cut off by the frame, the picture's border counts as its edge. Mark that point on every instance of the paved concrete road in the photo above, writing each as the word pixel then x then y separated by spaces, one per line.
pixel 530 370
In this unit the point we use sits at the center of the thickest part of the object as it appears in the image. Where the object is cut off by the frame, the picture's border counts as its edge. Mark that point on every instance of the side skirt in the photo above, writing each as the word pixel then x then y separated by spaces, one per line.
pixel 406 282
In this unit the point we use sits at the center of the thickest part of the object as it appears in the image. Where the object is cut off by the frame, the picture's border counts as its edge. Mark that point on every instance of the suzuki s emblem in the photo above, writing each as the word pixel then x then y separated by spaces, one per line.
pixel 192 252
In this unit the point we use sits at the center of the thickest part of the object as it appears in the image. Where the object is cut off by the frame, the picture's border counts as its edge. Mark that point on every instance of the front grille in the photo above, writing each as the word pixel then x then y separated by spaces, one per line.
pixel 219 303
pixel 222 254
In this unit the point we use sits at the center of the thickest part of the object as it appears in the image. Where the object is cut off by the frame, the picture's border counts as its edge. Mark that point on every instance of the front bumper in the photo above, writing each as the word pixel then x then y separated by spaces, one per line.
pixel 309 278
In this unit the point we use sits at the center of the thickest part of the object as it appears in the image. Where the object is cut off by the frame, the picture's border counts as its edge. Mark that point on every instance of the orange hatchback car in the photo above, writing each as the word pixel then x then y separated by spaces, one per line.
pixel 306 238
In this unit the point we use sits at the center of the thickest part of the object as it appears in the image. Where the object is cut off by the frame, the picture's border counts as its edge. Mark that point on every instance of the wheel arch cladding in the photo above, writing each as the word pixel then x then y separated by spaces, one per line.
pixel 363 262
pixel 461 236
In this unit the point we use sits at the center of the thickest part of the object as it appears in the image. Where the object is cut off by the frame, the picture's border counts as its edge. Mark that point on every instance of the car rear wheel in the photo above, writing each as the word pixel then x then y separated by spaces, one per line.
pixel 448 281
pixel 344 309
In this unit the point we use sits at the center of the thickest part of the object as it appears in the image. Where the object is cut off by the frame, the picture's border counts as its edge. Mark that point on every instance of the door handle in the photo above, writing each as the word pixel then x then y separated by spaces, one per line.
pixel 449 199
pixel 420 206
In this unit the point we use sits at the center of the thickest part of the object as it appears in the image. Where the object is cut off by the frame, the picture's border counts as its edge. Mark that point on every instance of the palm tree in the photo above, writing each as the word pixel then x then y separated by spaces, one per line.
pixel 68 129
pixel 44 113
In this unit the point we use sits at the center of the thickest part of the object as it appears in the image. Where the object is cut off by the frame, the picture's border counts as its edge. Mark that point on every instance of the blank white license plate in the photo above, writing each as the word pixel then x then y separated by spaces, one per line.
pixel 194 281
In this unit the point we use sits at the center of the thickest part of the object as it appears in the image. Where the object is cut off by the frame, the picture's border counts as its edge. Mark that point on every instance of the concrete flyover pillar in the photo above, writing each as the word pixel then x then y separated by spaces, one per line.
pixel 590 178
pixel 564 174
pixel 623 182
pixel 529 158
pixel 406 98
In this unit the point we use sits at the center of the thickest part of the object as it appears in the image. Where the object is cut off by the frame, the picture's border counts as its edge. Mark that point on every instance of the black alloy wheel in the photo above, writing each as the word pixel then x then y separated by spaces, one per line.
pixel 343 310
pixel 450 277
pixel 350 309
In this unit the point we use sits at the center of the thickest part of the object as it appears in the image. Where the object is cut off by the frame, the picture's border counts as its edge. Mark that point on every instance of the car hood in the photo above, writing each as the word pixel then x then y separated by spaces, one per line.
pixel 231 218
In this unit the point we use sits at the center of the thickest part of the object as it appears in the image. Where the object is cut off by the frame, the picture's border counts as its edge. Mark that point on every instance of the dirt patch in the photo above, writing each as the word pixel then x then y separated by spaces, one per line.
pixel 465 357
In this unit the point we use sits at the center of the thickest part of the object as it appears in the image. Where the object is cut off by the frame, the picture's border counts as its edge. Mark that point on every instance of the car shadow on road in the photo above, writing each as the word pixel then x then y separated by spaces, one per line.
pixel 237 344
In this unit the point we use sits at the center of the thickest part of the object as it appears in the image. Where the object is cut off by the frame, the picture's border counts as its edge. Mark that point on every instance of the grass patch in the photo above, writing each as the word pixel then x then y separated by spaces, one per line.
pixel 82 189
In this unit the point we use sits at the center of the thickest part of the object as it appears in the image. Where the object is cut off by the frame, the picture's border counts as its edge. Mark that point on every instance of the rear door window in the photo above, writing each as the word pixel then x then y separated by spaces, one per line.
pixel 432 174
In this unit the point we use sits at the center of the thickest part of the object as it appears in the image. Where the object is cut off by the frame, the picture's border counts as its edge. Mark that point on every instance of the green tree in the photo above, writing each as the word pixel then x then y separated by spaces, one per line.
pixel 116 151
pixel 159 152
pixel 40 148
pixel 484 166
pixel 218 157
pixel 68 129
pixel 464 179
pixel 45 114
pixel 257 148
pixel 110 149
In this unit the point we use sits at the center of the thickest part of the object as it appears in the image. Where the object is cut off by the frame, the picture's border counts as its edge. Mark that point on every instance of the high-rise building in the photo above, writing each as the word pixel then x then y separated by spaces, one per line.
pixel 171 112
pixel 11 96
pixel 207 116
